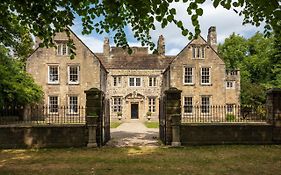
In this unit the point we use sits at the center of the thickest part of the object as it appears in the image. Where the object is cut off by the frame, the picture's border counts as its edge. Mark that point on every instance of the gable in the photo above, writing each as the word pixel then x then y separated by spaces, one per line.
pixel 187 53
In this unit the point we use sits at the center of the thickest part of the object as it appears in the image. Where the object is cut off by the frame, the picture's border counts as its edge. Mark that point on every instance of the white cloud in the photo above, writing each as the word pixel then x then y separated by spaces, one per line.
pixel 94 44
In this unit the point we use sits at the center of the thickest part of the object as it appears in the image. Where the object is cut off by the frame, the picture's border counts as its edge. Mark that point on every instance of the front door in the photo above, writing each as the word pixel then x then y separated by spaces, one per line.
pixel 134 111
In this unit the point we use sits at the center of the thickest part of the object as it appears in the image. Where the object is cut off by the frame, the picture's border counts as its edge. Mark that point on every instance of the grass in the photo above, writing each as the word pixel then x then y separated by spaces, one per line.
pixel 115 124
pixel 151 124
pixel 231 159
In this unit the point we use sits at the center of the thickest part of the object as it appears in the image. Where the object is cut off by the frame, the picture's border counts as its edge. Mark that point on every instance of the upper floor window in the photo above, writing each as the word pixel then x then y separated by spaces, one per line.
pixel 134 81
pixel 188 75
pixel 73 74
pixel 62 48
pixel 73 104
pixel 117 81
pixel 117 104
pixel 53 104
pixel 230 84
pixel 205 104
pixel 198 52
pixel 205 76
pixel 151 104
pixel 53 74
pixel 188 105
pixel 152 81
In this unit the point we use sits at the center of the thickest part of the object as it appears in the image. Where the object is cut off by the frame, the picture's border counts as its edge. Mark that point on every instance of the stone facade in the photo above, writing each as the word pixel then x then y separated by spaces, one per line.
pixel 134 83
pixel 91 73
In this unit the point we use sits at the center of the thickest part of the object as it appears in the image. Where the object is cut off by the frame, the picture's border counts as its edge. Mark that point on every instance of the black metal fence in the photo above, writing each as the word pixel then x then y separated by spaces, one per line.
pixel 219 114
pixel 42 115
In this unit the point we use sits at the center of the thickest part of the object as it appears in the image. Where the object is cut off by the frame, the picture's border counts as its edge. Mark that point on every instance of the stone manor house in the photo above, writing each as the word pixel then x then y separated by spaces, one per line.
pixel 133 84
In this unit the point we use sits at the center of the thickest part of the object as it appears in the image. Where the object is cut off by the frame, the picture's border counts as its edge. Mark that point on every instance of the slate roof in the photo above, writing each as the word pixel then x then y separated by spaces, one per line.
pixel 135 61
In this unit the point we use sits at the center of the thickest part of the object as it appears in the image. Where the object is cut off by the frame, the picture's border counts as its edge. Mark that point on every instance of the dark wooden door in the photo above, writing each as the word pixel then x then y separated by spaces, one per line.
pixel 134 111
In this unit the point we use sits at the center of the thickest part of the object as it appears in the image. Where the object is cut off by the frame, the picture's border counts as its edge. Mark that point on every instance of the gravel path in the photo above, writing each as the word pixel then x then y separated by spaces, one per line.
pixel 133 133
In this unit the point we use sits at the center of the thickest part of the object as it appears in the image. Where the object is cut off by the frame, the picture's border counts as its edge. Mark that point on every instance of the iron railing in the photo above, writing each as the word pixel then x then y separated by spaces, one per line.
pixel 219 114
pixel 42 115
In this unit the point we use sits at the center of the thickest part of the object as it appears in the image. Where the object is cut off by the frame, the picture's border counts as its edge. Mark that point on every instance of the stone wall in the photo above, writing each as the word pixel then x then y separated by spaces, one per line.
pixel 236 133
pixel 43 136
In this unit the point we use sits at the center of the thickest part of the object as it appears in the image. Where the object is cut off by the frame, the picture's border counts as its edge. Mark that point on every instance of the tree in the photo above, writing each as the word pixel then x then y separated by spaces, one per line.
pixel 258 59
pixel 16 86
pixel 45 18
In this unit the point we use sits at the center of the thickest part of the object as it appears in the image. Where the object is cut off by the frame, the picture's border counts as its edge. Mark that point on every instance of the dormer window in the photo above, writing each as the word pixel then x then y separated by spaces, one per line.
pixel 198 52
pixel 62 48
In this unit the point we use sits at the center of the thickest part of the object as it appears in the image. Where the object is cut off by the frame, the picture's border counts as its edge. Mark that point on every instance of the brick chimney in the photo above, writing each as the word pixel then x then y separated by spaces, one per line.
pixel 161 45
pixel 212 38
pixel 106 47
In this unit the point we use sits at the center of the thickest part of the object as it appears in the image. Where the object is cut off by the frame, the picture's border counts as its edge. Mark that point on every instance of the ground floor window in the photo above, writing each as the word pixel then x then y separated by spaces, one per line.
pixel 151 104
pixel 188 105
pixel 229 108
pixel 117 104
pixel 53 104
pixel 205 104
pixel 73 104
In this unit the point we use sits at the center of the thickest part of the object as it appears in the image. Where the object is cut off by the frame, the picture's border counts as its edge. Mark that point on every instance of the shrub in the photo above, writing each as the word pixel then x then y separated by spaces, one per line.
pixel 230 117
pixel 119 113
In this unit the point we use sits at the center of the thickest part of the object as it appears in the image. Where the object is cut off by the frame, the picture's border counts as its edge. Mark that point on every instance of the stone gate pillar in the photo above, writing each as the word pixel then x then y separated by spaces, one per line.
pixel 173 116
pixel 93 113
pixel 273 105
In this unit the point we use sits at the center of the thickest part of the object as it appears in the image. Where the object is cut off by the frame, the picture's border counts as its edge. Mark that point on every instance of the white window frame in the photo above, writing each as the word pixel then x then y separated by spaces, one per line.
pixel 198 52
pixel 203 104
pixel 117 104
pixel 69 75
pixel 50 106
pixel 230 84
pixel 116 81
pixel 49 78
pixel 134 81
pixel 187 105
pixel 152 82
pixel 192 75
pixel 152 104
pixel 70 109
pixel 201 74
pixel 60 49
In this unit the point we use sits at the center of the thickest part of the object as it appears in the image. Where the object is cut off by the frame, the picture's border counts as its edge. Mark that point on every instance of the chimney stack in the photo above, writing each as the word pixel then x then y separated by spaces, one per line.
pixel 37 42
pixel 212 38
pixel 161 45
pixel 106 47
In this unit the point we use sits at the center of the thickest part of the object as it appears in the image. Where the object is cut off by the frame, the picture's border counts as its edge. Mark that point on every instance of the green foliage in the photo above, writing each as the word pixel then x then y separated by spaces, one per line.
pixel 115 124
pixel 16 86
pixel 259 61
pixel 119 113
pixel 45 18
pixel 150 124
pixel 230 117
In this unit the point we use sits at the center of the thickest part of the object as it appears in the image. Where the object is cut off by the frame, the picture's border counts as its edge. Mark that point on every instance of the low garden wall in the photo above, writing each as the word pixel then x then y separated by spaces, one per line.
pixel 39 136
pixel 226 133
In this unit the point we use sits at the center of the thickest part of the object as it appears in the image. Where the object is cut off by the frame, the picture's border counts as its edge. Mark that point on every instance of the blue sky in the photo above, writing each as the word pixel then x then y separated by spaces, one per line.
pixel 226 22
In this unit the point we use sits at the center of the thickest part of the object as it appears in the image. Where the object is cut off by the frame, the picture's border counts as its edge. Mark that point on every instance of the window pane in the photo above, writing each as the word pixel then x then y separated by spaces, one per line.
pixel 188 75
pixel 203 52
pixel 205 75
pixel 193 52
pixel 53 104
pixel 138 81
pixel 132 81
pixel 151 104
pixel 53 74
pixel 187 104
pixel 117 104
pixel 205 106
pixel 73 74
pixel 73 104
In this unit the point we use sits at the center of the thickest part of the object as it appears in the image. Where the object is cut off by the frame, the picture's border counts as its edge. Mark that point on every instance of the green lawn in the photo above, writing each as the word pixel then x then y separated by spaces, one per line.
pixel 146 160
pixel 151 124
pixel 115 124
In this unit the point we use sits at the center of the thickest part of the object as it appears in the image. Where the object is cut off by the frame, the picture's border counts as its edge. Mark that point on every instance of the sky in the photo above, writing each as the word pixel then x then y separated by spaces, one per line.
pixel 226 22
